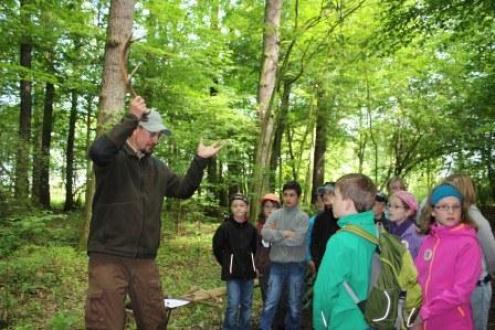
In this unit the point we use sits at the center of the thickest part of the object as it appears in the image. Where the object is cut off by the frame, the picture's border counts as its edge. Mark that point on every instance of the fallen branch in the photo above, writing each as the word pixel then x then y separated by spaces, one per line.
pixel 198 295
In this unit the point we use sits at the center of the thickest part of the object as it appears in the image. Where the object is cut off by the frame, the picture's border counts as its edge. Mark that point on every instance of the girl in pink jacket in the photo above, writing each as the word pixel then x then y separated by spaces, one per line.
pixel 448 262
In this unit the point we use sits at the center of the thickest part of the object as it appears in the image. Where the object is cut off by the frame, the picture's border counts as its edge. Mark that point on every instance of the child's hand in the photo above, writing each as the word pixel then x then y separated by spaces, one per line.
pixel 418 324
pixel 312 267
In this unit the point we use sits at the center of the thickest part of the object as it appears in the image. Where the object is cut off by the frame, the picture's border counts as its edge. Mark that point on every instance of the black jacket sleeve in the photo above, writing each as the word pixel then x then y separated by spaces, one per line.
pixel 218 244
pixel 315 246
pixel 106 147
pixel 254 240
pixel 183 187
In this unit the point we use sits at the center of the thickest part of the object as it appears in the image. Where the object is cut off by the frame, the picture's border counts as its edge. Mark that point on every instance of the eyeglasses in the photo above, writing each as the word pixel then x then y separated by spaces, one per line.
pixel 447 208
pixel 394 206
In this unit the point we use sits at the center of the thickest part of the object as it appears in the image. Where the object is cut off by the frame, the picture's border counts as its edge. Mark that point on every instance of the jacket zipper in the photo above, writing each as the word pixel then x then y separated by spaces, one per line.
pixel 231 261
pixel 252 260
pixel 428 279
pixel 141 187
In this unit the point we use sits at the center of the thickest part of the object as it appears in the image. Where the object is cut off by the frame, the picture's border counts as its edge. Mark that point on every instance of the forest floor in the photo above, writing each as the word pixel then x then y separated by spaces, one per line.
pixel 43 277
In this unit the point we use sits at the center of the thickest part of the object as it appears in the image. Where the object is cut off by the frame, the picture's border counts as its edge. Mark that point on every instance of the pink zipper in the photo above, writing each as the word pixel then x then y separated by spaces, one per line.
pixel 428 279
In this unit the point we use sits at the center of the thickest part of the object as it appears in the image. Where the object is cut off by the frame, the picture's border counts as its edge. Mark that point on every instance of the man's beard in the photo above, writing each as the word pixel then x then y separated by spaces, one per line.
pixel 148 150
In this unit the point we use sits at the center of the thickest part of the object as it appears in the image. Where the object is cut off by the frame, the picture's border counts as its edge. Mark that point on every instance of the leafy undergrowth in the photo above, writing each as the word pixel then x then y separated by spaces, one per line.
pixel 43 278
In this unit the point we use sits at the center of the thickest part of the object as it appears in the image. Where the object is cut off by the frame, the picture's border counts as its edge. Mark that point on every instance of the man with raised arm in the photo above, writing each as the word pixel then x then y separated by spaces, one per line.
pixel 125 227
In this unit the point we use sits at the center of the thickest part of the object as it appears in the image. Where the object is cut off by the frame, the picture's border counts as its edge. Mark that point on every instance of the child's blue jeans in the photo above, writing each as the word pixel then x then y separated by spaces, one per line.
pixel 239 299
pixel 290 274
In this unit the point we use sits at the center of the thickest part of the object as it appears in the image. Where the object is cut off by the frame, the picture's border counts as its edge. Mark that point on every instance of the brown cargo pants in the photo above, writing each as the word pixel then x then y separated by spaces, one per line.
pixel 111 278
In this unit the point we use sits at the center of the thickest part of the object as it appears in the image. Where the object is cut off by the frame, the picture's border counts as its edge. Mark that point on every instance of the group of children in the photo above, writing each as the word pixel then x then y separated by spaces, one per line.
pixel 451 242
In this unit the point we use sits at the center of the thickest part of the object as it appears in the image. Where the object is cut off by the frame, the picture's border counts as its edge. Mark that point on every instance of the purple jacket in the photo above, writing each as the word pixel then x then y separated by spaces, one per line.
pixel 449 264
pixel 408 236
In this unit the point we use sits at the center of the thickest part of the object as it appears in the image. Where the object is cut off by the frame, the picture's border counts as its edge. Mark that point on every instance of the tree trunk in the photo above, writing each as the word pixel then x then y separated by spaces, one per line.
pixel 69 165
pixel 119 31
pixel 90 186
pixel 292 154
pixel 371 129
pixel 213 186
pixel 21 188
pixel 112 96
pixel 361 142
pixel 268 77
pixel 213 182
pixel 308 182
pixel 320 142
pixel 235 186
pixel 36 133
pixel 279 133
pixel 46 140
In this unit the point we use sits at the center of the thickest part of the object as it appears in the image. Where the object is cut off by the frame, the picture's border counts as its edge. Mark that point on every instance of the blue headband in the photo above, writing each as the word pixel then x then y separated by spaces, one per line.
pixel 445 190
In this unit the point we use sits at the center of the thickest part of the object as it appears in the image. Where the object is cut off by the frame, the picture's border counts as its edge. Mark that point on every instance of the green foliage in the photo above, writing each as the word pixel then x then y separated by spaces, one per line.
pixel 400 80
pixel 64 320
pixel 42 228
pixel 39 280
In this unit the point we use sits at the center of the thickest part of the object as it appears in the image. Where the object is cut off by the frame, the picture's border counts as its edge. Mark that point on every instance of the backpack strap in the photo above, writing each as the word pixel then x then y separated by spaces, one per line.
pixel 357 230
pixel 350 291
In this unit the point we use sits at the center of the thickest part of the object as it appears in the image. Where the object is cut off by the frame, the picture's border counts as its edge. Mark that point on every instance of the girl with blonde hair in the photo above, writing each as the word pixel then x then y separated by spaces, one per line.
pixel 448 262
pixel 482 295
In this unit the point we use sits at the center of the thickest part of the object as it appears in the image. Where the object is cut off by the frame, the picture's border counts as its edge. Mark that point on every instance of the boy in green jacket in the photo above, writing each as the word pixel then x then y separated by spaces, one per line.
pixel 347 257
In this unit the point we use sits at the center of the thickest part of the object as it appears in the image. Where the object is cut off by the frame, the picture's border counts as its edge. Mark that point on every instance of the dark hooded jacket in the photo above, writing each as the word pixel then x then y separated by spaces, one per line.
pixel 129 194
pixel 234 246
pixel 324 227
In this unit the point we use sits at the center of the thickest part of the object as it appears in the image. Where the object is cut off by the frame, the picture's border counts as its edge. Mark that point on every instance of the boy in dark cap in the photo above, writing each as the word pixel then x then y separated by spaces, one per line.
pixel 234 246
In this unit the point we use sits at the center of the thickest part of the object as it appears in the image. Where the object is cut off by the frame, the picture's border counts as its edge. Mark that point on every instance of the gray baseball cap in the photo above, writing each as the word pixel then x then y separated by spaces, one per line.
pixel 152 122
pixel 327 187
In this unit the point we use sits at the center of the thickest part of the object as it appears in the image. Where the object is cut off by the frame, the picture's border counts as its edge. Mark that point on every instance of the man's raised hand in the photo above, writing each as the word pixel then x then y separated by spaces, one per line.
pixel 138 108
pixel 205 151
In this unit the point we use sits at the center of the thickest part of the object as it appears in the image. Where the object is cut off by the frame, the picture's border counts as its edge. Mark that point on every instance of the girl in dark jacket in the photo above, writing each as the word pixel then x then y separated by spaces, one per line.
pixel 234 246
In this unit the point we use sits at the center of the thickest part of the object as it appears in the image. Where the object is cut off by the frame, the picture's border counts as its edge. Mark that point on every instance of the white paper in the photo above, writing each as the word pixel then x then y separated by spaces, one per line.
pixel 174 303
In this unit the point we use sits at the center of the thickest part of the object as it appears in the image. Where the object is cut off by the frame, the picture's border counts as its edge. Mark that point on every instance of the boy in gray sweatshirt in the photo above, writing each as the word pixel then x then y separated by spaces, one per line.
pixel 285 230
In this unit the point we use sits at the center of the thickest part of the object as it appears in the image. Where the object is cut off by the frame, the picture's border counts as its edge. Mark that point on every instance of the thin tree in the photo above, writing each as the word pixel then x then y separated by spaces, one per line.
pixel 21 188
pixel 69 162
pixel 268 78
pixel 279 132
pixel 46 140
pixel 90 183
pixel 115 84
pixel 320 140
